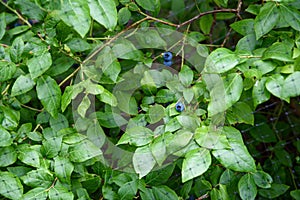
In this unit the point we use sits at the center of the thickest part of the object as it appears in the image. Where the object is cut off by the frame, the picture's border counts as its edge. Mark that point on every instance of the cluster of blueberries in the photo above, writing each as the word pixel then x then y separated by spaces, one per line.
pixel 167 58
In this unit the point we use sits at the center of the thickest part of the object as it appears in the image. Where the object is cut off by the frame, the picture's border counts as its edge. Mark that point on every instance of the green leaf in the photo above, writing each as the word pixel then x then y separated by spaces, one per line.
pixel 36 193
pixel 237 158
pixel 266 19
pixel 205 23
pixel 84 106
pixel 63 169
pixel 30 9
pixel 178 141
pixel 2 25
pixel 137 136
pixel 158 147
pixel 58 192
pixel 108 97
pixel 186 76
pixel 264 66
pixel 110 120
pixel 22 85
pixel 143 161
pixel 126 102
pixel 262 179
pixel 128 190
pixel 295 194
pixel 8 156
pixel 291 16
pixel 5 137
pixel 7 70
pixel 260 94
pixel 233 84
pixel 75 13
pixel 291 85
pixel 11 118
pixel 124 15
pixel 149 38
pixel 160 176
pixel 164 192
pixel 82 151
pixel 275 191
pixel 284 157
pixel 125 49
pixel 60 65
pixel 38 178
pixel 195 163
pixel 78 45
pixel 240 112
pixel 52 146
pixel 243 27
pixel 29 157
pixel 17 49
pixel 278 51
pixel 211 139
pixel 104 12
pixel 155 113
pixel 220 61
pixel 147 194
pixel 49 94
pixel 274 84
pixel 247 187
pixel 10 186
pixel 150 5
pixel 39 64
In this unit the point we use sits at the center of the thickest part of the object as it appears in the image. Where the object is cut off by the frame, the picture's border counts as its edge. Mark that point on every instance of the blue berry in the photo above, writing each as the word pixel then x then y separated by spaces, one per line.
pixel 167 56
pixel 179 107
pixel 168 63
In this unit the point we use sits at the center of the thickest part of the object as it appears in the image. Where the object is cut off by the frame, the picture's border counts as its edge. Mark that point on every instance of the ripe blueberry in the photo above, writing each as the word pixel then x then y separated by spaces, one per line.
pixel 167 56
pixel 179 107
pixel 168 63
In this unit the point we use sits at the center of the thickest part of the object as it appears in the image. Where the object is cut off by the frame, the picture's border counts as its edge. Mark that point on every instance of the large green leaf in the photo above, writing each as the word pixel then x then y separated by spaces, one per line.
pixel 291 16
pixel 75 13
pixel 10 186
pixel 279 51
pixel 262 179
pixel 10 118
pixel 291 85
pixel 38 178
pixel 7 70
pixel 274 84
pixel 17 49
pixel 266 19
pixel 30 157
pixel 104 12
pixel 155 113
pixel 233 84
pixel 143 161
pixel 240 112
pixel 247 187
pixel 49 94
pixel 30 9
pixel 275 191
pixel 259 93
pixel 195 163
pixel 243 27
pixel 36 193
pixel 22 85
pixel 63 169
pixel 39 64
pixel 186 75
pixel 59 192
pixel 84 150
pixel 237 158
pixel 150 5
pixel 221 60
pixel 164 192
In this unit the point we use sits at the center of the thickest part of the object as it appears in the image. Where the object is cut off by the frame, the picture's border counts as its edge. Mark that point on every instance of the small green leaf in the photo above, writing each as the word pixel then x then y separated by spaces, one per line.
pixel 195 163
pixel 22 85
pixel 5 137
pixel 262 179
pixel 110 120
pixel 143 161
pixel 8 156
pixel 155 113
pixel 240 112
pixel 30 9
pixel 247 187
pixel 59 192
pixel 275 191
pixel 266 19
pixel 211 139
pixel 63 169
pixel 39 64
pixel 291 85
pixel 186 76
pixel 126 102
pixel 150 5
pixel 39 193
pixel 291 16
pixel 205 23
pixel 29 157
pixel 164 96
pixel 108 97
pixel 295 194
pixel 124 15
pixel 49 94
pixel 243 27
pixel 17 49
pixel 38 178
pixel 164 192
pixel 259 93
pixel 138 136
pixel 60 65
pixel 178 141
pixel 7 70
pixel 149 38
pixel 104 12
pixel 84 106
pixel 278 51
pixel 75 13
pixel 83 151
pixel 233 84
pixel 10 186
pixel 284 157
pixel 158 147
pixel 274 84
pixel 10 119
pixel 220 61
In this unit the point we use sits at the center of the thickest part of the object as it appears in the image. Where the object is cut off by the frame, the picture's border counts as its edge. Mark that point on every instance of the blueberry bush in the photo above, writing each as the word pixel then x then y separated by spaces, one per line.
pixel 149 99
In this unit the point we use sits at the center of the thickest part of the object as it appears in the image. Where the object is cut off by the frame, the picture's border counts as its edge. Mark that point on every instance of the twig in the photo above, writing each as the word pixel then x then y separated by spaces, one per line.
pixel 16 12
pixel 30 108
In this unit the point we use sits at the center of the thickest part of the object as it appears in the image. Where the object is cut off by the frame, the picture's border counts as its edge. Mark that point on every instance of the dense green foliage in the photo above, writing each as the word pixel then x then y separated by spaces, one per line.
pixel 92 108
